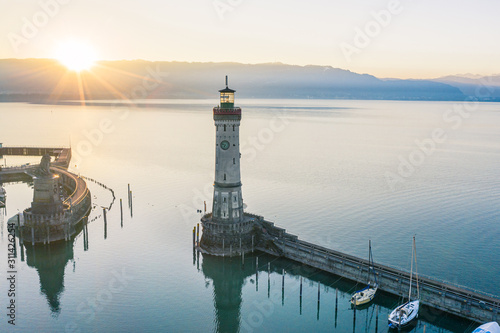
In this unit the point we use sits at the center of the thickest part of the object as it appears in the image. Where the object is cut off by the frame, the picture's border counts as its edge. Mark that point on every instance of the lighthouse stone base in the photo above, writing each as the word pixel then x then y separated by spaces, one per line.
pixel 229 238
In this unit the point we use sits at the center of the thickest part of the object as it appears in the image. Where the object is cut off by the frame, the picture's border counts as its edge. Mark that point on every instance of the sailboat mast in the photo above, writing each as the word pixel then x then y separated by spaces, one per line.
pixel 416 268
pixel 411 268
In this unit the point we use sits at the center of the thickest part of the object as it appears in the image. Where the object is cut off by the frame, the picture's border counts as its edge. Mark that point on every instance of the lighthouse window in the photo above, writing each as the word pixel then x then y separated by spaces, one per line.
pixel 224 176
pixel 233 128
pixel 234 160
pixel 224 128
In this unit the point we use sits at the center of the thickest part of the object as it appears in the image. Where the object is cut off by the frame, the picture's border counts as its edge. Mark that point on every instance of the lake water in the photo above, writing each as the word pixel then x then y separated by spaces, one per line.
pixel 334 172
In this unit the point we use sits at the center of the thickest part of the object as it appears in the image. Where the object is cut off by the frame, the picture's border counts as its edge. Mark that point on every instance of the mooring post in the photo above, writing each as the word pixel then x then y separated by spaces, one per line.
pixel 32 236
pixel 131 205
pixel 283 287
pixel 21 246
pixel 194 237
pixel 336 304
pixel 317 315
pixel 240 246
pixel 128 193
pixel 223 247
pixel 243 259
pixel 300 287
pixel 354 319
pixel 121 212
pixel 198 234
pixel 268 279
pixel 198 260
pixel 256 273
pixel 194 253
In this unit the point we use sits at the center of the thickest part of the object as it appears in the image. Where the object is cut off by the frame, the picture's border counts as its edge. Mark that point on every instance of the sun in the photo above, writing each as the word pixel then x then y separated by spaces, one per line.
pixel 76 56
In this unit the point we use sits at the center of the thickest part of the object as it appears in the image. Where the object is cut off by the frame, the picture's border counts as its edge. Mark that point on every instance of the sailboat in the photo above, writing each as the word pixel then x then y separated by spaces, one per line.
pixel 367 294
pixel 407 312
pixel 491 327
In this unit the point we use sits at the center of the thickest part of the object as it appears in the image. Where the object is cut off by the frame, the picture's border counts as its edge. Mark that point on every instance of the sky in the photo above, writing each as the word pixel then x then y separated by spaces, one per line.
pixel 386 38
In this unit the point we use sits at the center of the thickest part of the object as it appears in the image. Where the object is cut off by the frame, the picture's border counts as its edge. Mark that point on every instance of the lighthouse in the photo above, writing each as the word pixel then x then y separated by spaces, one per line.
pixel 227 230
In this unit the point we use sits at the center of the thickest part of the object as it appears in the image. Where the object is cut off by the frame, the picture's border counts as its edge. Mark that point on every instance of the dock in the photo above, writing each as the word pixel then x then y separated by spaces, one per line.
pixel 442 296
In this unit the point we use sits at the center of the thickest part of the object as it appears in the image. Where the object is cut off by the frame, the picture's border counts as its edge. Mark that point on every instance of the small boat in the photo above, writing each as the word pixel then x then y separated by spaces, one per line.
pixel 491 327
pixel 367 294
pixel 404 314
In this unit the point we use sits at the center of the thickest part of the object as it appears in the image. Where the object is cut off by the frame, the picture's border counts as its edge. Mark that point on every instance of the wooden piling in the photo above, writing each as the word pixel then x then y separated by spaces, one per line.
pixel 194 237
pixel 121 212
pixel 283 287
pixel 268 279
pixel 105 223
pixel 336 305
pixel 131 205
pixel 256 273
pixel 128 193
pixel 283 279
pixel 198 234
pixel 354 319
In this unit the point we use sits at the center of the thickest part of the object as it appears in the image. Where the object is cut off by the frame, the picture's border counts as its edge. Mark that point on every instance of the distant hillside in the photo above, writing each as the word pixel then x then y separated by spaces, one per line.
pixel 485 88
pixel 47 80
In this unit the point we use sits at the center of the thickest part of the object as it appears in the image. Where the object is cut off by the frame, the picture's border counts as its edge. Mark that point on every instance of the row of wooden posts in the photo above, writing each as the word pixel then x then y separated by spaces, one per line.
pixel 121 212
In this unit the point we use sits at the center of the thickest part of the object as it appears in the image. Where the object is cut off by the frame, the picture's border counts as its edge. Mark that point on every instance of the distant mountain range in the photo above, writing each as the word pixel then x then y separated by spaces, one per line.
pixel 45 80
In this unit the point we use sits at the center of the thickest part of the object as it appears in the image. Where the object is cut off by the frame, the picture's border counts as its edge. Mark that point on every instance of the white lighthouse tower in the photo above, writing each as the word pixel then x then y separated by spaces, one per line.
pixel 227 201
pixel 227 231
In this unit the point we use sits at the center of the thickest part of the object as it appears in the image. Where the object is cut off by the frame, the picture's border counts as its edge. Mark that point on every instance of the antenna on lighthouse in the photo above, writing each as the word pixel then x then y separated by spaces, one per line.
pixel 226 81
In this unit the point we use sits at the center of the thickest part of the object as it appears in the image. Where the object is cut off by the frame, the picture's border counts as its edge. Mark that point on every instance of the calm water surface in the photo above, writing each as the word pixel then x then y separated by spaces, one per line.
pixel 317 168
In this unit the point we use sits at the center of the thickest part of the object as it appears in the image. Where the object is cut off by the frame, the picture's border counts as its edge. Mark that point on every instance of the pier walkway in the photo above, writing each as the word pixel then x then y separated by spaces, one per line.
pixel 443 296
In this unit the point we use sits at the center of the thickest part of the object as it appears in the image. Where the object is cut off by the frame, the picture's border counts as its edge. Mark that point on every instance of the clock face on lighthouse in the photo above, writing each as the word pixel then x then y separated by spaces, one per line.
pixel 224 145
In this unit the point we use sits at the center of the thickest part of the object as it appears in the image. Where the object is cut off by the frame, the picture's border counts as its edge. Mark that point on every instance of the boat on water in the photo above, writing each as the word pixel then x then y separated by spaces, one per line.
pixel 367 294
pixel 404 314
pixel 491 327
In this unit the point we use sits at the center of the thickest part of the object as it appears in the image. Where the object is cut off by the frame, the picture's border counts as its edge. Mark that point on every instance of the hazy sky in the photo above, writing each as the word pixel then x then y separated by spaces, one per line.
pixel 410 39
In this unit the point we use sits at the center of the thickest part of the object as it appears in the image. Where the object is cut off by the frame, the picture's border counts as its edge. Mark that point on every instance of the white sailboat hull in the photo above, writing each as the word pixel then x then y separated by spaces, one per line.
pixel 491 327
pixel 364 296
pixel 404 314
